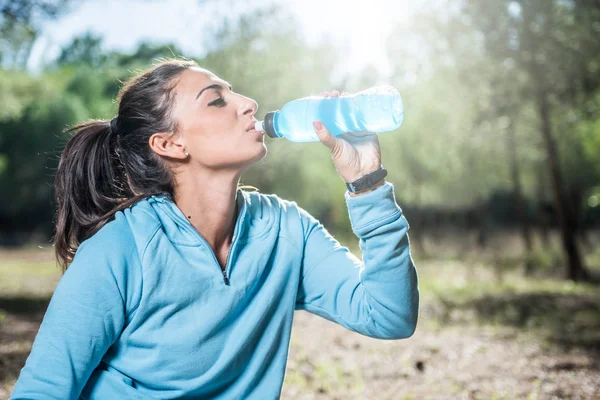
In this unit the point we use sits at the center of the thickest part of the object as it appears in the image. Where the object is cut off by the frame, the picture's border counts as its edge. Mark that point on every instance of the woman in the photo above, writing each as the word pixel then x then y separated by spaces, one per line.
pixel 177 283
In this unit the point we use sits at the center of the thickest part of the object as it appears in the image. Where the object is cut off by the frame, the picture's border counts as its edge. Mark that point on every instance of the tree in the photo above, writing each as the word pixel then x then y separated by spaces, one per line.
pixel 554 45
pixel 552 42
pixel 29 146
pixel 86 49
pixel 20 26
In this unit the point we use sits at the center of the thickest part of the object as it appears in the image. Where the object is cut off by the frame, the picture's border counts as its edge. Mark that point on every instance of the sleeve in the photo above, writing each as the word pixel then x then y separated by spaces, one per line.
pixel 377 297
pixel 85 316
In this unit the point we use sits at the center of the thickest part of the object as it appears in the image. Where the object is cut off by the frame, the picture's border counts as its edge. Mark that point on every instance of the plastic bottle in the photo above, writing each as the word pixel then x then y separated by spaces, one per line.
pixel 378 109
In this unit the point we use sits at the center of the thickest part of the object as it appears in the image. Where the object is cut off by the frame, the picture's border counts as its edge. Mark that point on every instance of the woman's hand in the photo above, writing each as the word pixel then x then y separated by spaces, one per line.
pixel 354 156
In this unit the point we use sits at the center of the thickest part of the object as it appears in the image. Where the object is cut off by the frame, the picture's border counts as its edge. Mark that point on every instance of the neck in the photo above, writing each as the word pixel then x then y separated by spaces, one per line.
pixel 208 200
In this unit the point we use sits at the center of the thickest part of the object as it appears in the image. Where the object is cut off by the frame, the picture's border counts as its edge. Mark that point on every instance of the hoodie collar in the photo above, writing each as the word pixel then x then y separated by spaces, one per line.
pixel 179 229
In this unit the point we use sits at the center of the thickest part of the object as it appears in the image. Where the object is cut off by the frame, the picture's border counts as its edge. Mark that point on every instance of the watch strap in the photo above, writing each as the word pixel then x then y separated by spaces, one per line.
pixel 367 181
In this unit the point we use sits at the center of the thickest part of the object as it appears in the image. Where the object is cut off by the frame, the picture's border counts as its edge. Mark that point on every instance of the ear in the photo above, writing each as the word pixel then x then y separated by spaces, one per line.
pixel 167 145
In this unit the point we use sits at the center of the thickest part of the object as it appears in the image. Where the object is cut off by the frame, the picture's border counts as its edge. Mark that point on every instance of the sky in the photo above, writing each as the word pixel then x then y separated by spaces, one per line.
pixel 360 26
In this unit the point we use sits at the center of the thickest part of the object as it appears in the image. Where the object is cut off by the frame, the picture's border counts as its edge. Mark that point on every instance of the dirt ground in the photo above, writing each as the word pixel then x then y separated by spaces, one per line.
pixel 521 342
pixel 452 362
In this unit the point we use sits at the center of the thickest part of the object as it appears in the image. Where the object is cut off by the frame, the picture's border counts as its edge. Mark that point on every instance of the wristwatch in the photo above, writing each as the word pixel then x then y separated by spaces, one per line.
pixel 365 182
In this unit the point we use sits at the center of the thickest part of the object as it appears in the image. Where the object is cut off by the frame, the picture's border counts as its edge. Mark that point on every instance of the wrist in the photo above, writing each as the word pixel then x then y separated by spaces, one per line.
pixel 372 188
pixel 368 182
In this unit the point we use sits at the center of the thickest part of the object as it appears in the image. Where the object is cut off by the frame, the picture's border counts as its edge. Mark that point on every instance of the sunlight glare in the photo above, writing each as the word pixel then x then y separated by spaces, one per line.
pixel 359 27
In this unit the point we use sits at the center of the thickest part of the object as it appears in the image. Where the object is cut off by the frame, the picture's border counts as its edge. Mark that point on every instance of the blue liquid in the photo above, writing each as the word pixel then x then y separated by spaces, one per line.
pixel 377 110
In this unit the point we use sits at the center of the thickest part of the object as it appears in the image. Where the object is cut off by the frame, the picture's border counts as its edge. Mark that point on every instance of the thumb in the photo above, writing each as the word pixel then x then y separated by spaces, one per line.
pixel 324 136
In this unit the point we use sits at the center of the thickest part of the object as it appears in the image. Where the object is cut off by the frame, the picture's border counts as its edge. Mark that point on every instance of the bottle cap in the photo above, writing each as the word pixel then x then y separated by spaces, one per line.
pixel 268 125
pixel 259 126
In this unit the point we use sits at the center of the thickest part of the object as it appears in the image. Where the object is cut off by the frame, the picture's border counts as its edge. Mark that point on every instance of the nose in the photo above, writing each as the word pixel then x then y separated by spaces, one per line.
pixel 248 106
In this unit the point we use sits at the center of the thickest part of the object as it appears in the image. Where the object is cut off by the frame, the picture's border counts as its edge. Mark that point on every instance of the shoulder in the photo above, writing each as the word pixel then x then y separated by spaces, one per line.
pixel 126 234
pixel 111 257
pixel 292 219
pixel 262 204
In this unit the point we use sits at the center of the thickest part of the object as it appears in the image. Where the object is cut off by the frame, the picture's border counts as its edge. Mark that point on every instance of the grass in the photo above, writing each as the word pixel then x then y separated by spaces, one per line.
pixel 27 278
pixel 560 312
pixel 453 279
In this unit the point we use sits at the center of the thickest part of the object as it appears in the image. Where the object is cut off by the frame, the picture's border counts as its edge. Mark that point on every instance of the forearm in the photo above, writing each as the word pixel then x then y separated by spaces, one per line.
pixel 388 275
pixel 377 296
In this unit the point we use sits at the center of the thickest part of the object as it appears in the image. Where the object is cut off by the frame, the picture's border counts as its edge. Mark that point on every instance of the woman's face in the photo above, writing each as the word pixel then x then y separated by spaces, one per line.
pixel 213 122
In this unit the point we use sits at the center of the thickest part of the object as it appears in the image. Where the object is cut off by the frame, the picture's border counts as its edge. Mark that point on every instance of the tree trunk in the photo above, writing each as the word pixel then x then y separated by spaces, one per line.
pixel 511 144
pixel 575 270
pixel 542 213
pixel 482 224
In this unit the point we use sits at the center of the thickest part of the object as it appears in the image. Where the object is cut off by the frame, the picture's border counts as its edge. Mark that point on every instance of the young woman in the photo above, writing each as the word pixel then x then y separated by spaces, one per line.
pixel 179 284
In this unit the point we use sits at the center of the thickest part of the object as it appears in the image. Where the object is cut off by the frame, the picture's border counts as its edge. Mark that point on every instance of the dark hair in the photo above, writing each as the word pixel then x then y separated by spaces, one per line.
pixel 103 171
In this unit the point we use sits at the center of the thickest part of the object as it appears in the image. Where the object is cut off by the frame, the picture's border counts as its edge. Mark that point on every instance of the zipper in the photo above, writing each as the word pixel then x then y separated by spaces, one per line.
pixel 233 242
pixel 223 271
pixel 225 279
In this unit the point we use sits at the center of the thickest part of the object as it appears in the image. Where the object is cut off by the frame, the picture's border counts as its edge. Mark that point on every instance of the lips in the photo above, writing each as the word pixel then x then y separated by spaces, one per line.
pixel 251 125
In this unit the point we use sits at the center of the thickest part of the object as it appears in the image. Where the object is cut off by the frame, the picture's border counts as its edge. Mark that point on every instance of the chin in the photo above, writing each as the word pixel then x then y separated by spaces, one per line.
pixel 255 158
pixel 262 154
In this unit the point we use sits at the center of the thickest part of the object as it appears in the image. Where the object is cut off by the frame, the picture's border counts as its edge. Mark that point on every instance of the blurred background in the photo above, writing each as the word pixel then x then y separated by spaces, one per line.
pixel 497 169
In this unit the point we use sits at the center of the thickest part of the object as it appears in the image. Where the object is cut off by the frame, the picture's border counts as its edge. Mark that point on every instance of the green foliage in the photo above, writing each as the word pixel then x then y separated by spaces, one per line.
pixel 145 54
pixel 91 90
pixel 30 146
pixel 86 49
pixel 463 97
pixel 17 89
pixel 20 22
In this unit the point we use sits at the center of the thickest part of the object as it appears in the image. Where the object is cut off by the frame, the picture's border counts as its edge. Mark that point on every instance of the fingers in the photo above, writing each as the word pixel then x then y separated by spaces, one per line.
pixel 324 136
pixel 333 93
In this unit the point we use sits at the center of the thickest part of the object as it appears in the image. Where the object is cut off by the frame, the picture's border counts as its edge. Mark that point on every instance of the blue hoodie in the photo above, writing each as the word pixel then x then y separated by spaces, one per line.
pixel 145 312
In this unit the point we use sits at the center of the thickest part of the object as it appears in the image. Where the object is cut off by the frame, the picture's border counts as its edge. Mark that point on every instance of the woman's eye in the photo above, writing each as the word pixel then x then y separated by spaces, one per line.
pixel 220 102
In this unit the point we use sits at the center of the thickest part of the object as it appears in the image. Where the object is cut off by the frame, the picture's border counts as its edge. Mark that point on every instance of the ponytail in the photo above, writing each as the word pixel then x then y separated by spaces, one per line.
pixel 91 185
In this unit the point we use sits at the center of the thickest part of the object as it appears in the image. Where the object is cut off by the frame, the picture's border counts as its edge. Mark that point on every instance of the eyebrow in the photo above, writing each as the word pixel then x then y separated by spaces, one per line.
pixel 213 86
